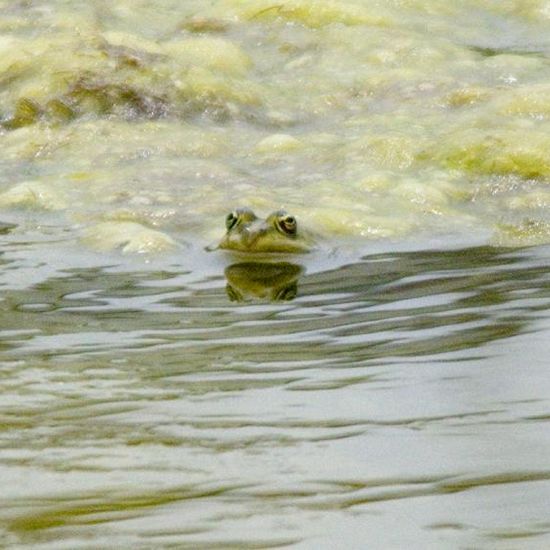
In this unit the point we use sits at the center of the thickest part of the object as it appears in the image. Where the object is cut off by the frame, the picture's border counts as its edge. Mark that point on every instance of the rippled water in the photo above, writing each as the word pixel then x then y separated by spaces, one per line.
pixel 389 389
pixel 400 399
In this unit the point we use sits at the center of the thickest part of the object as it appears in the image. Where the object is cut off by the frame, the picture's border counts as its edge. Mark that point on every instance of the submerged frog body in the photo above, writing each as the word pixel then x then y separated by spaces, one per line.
pixel 277 233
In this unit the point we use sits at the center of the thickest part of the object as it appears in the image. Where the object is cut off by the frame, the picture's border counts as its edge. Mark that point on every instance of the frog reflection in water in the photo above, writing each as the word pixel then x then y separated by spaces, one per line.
pixel 6 227
pixel 277 233
pixel 276 282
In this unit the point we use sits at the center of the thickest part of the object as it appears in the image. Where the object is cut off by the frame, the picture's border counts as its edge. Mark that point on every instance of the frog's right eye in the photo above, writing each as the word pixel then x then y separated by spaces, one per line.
pixel 231 220
pixel 286 224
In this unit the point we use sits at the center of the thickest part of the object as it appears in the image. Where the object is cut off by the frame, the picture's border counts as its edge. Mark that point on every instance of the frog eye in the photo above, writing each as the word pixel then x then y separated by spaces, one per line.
pixel 287 224
pixel 231 220
pixel 239 215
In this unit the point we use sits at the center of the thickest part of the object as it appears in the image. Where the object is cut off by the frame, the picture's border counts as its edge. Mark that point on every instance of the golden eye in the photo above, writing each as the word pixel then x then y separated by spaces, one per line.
pixel 231 220
pixel 287 224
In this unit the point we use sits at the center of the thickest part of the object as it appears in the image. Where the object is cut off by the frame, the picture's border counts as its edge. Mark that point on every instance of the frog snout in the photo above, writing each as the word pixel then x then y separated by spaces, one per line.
pixel 253 233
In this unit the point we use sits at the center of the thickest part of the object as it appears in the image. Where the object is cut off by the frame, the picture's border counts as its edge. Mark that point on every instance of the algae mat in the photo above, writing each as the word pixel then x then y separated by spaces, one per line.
pixel 369 120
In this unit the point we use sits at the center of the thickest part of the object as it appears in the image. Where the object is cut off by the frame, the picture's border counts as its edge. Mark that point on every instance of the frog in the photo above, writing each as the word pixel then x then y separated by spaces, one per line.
pixel 278 233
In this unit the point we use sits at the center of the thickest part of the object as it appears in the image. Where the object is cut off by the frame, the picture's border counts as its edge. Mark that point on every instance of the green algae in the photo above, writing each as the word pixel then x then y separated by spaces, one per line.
pixel 129 237
pixel 528 232
pixel 115 74
pixel 89 95
pixel 312 13
pixel 26 112
pixel 499 152
pixel 346 112
pixel 532 101
pixel 33 195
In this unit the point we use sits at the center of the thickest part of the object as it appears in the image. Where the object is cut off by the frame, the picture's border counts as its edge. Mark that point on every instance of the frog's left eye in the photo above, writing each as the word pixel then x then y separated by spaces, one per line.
pixel 231 220
pixel 287 224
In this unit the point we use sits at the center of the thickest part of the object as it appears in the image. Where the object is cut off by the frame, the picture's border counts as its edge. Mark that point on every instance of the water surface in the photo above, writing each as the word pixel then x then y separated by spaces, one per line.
pixel 147 408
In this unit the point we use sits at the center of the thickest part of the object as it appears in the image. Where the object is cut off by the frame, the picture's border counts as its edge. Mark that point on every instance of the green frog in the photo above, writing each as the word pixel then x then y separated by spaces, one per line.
pixel 279 232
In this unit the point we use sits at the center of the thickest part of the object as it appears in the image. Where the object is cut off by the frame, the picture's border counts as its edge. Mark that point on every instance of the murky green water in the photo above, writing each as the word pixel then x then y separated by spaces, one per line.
pixel 387 390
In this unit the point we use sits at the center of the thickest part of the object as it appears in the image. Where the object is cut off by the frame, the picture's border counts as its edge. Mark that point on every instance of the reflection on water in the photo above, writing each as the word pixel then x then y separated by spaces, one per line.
pixel 427 300
pixel 276 281
pixel 6 227
pixel 145 408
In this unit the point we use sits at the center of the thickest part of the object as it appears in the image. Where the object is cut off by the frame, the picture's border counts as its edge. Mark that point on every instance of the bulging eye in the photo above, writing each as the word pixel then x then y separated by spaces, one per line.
pixel 231 220
pixel 288 224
